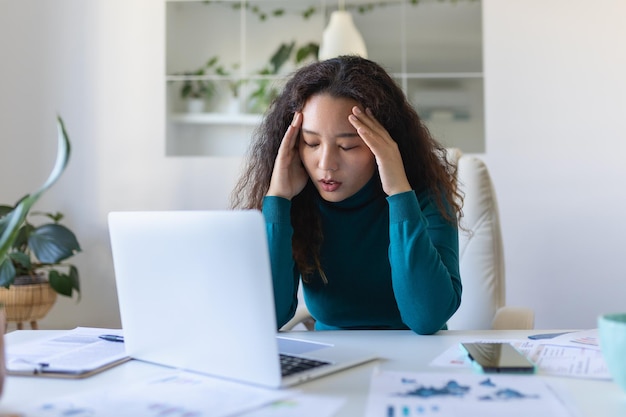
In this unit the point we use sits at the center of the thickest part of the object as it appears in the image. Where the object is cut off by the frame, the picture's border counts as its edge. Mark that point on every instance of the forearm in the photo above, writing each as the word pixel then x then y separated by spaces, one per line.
pixel 423 254
pixel 279 234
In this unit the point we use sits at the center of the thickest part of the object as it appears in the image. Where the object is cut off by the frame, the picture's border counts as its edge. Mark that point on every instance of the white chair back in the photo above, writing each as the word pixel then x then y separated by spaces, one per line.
pixel 481 253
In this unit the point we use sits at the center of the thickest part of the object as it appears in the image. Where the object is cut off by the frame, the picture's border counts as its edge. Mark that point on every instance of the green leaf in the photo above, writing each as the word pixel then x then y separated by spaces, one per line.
pixel 75 278
pixel 281 56
pixel 4 210
pixel 12 223
pixel 55 217
pixel 310 49
pixel 7 271
pixel 63 156
pixel 308 12
pixel 52 243
pixel 212 61
pixel 13 220
pixel 4 219
pixel 21 259
pixel 61 283
pixel 22 235
pixel 185 90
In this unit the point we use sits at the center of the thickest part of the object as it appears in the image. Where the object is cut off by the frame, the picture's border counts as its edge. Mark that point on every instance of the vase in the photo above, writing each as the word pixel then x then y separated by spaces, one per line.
pixel 27 303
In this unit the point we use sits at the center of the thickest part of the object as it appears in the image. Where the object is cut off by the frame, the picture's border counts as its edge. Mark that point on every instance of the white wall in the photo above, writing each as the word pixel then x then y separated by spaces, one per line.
pixel 100 65
pixel 555 96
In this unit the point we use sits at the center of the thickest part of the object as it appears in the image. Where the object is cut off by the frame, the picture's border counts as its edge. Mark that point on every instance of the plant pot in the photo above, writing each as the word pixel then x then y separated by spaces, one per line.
pixel 196 105
pixel 27 303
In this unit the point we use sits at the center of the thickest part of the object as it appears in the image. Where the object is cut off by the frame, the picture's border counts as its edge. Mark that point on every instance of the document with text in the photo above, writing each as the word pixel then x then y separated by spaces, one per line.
pixel 171 393
pixel 575 354
pixel 76 353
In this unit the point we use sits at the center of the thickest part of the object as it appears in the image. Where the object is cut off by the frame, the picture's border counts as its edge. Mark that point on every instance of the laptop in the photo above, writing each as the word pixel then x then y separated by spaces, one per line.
pixel 195 293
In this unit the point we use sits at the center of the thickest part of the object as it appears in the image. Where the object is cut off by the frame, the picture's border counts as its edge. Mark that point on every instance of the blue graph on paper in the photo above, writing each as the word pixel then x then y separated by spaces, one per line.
pixel 443 397
pixel 454 389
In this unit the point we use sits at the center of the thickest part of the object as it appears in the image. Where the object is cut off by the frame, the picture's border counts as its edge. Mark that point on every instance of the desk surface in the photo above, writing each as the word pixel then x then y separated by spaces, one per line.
pixel 398 350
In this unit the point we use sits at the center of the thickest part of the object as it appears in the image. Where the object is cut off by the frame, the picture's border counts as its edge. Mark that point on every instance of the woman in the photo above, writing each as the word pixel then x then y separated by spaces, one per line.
pixel 360 202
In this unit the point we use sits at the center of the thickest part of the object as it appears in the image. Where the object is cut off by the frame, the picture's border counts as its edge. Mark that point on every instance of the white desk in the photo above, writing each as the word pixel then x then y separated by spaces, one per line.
pixel 399 350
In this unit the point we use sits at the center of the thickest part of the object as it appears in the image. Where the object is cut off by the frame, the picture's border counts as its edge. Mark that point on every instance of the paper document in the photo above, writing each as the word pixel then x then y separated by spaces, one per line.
pixel 575 354
pixel 78 352
pixel 570 361
pixel 172 394
pixel 587 338
pixel 398 394
pixel 300 405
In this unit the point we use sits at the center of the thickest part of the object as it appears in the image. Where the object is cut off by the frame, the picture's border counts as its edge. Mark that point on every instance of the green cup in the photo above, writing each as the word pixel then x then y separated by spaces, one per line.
pixel 612 332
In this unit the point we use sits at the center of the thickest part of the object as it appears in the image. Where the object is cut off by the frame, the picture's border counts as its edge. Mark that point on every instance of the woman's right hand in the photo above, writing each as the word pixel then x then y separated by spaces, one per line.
pixel 289 176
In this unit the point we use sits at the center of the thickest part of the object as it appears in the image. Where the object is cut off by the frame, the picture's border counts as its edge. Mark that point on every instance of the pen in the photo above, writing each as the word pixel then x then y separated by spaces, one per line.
pixel 546 335
pixel 112 338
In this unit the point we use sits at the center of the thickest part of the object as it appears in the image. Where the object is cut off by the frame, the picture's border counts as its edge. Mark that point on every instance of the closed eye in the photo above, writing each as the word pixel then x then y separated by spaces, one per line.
pixel 310 144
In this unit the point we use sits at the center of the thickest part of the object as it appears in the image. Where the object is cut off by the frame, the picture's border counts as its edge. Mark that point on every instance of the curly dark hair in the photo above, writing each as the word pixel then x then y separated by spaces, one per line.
pixel 370 85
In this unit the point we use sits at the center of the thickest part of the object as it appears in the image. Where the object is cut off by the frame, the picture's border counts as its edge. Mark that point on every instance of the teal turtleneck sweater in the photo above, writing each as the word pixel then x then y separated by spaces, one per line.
pixel 391 263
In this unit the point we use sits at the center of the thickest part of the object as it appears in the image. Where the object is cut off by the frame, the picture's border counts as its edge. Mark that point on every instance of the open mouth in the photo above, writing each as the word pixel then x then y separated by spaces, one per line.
pixel 329 185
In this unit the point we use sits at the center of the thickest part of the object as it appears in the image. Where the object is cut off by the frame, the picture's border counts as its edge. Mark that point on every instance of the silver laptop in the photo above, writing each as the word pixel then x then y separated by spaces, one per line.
pixel 195 293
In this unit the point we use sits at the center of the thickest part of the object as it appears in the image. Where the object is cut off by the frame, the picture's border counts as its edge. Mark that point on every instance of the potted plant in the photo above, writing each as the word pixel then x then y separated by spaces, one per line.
pixel 197 90
pixel 32 257
pixel 233 85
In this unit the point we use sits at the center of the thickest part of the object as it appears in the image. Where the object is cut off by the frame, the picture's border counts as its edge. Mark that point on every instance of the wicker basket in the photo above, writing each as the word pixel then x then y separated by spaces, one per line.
pixel 27 303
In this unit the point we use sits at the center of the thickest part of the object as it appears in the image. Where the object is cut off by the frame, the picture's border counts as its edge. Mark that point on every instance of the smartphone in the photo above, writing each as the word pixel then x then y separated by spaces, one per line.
pixel 498 357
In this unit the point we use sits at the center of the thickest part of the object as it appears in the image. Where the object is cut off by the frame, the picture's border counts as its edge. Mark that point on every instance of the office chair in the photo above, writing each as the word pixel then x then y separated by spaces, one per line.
pixel 481 255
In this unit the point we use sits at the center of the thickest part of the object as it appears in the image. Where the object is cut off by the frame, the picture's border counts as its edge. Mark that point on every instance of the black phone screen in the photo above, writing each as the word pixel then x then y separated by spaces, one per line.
pixel 498 357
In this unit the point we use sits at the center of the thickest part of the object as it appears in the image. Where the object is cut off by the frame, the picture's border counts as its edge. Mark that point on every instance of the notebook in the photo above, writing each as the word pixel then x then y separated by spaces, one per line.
pixel 195 293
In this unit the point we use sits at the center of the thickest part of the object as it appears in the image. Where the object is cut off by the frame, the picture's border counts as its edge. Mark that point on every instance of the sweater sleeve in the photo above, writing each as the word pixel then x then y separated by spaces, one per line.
pixel 276 211
pixel 424 258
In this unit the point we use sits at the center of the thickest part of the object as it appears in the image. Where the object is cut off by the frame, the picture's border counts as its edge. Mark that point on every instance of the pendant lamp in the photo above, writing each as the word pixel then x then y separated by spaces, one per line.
pixel 341 37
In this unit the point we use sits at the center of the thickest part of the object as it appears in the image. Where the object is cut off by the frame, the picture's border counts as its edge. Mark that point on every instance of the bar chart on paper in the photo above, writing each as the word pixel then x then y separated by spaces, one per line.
pixel 397 394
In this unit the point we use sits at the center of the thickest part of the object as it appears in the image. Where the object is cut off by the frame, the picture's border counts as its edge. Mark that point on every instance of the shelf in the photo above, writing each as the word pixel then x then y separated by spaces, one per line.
pixel 439 69
pixel 241 119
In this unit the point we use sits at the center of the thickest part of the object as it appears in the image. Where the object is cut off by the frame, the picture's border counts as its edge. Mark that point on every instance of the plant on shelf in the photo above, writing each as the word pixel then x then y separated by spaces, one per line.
pixel 266 90
pixel 196 88
pixel 201 85
pixel 233 83
pixel 33 255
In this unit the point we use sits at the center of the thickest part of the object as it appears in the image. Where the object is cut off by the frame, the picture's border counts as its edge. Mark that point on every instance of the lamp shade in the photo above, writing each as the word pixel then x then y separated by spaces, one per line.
pixel 341 37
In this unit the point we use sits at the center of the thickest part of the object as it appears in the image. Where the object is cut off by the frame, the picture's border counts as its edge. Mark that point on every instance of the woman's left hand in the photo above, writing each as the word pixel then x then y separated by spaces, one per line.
pixel 385 150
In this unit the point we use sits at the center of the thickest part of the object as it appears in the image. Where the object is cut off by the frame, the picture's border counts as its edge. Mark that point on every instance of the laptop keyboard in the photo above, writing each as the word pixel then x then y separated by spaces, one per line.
pixel 292 364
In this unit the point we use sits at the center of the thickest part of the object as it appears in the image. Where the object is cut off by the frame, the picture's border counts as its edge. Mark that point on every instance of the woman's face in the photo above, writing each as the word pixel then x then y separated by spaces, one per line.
pixel 334 155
